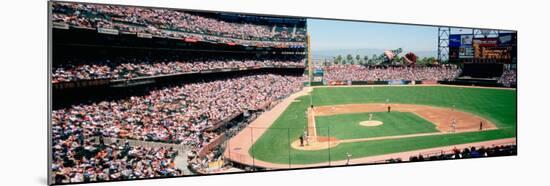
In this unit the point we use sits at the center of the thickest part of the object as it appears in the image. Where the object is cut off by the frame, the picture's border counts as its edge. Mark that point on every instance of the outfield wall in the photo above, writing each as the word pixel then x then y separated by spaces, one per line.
pixel 472 82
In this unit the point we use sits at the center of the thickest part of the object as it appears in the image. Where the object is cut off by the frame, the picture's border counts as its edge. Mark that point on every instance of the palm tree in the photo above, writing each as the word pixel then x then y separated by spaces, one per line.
pixel 349 58
pixel 338 59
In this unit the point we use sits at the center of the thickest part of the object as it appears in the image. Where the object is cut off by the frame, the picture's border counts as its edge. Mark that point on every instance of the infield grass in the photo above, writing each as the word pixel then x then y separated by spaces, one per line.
pixel 346 126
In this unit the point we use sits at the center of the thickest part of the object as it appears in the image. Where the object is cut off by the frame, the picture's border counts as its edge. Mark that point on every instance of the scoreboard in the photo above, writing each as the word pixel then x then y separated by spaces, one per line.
pixel 467 48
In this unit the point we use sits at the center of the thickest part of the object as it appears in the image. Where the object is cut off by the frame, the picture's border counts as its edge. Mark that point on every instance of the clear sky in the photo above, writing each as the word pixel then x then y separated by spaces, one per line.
pixel 332 35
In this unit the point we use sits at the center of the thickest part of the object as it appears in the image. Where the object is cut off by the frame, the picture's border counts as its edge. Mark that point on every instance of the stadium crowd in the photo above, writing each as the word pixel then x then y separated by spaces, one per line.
pixel 128 67
pixel 472 152
pixel 508 78
pixel 175 23
pixel 179 114
pixel 78 158
pixel 385 73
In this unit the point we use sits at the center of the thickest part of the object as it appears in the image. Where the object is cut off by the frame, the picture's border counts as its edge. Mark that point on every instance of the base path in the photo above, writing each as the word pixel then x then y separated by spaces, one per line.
pixel 311 128
pixel 238 146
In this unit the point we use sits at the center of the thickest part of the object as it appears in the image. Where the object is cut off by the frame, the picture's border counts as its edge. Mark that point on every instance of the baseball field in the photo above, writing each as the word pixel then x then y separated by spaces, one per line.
pixel 354 122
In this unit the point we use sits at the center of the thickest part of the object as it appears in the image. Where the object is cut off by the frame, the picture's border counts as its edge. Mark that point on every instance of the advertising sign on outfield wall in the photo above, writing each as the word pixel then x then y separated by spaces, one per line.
pixel 396 82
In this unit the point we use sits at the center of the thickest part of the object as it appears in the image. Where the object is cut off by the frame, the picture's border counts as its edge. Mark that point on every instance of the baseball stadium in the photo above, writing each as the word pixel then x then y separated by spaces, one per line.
pixel 142 92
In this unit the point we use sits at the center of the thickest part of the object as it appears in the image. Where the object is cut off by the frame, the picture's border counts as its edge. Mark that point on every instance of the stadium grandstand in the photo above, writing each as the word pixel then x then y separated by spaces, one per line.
pixel 499 75
pixel 388 73
pixel 230 29
pixel 145 92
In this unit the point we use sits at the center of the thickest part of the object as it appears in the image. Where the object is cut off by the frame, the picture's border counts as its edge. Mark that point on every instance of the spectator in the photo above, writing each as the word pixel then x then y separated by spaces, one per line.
pixel 132 67
pixel 472 152
pixel 178 24
pixel 76 161
pixel 179 114
pixel 508 78
pixel 383 73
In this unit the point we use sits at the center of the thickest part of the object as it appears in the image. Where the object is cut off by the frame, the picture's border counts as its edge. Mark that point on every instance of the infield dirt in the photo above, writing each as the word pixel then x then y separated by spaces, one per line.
pixel 440 117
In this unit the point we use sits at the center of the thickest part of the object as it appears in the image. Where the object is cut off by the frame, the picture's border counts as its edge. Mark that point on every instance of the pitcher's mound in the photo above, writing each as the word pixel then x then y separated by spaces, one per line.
pixel 316 143
pixel 371 123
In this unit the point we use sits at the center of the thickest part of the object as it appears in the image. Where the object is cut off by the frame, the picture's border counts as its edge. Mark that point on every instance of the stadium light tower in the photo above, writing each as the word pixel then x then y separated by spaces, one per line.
pixel 443 44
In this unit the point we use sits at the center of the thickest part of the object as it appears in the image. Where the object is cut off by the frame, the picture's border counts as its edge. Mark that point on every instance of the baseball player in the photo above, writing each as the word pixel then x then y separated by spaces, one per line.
pixel 480 125
pixel 453 125
pixel 348 155
pixel 306 137
pixel 370 116
pixel 388 104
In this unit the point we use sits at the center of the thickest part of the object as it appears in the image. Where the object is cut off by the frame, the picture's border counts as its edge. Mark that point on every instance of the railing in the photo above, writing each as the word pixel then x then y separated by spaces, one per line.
pixel 106 81
pixel 182 149
pixel 212 145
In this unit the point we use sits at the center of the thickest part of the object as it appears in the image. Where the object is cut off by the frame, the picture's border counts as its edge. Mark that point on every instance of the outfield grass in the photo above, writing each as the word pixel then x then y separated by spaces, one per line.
pixel 346 126
pixel 496 104
pixel 499 106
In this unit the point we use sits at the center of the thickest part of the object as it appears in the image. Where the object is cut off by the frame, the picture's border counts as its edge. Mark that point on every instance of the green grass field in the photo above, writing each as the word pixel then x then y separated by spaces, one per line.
pixel 346 126
pixel 497 105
